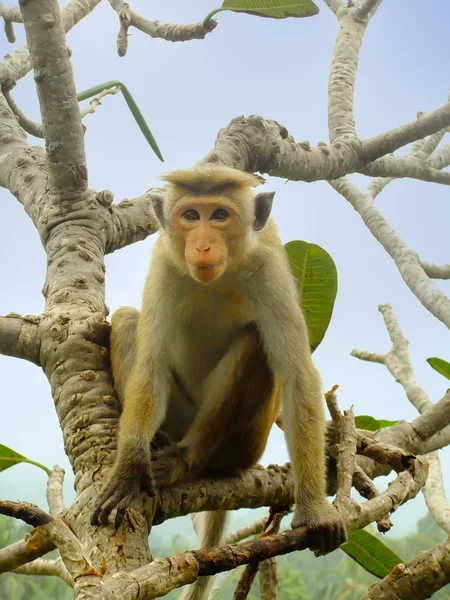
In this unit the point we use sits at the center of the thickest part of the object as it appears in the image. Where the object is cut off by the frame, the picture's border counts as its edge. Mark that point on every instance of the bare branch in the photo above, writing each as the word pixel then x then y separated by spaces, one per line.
pixel 9 31
pixel 365 486
pixel 388 142
pixel 434 493
pixel 245 582
pixel 399 365
pixel 434 419
pixel 163 575
pixel 246 531
pixel 254 488
pixel 419 578
pixel 346 462
pixel 11 14
pixel 131 221
pixel 342 77
pixel 405 166
pixel 334 5
pixel 367 8
pixel 30 126
pixel 71 549
pixel 57 98
pixel 155 29
pixel 268 579
pixel 17 65
pixel 29 513
pixel 55 499
pixel 33 546
pixel 96 101
pixel 407 261
pixel 20 337
pixel 44 567
pixel 436 271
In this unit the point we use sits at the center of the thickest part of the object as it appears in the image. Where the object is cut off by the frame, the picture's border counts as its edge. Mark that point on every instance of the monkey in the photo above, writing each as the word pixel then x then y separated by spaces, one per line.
pixel 219 345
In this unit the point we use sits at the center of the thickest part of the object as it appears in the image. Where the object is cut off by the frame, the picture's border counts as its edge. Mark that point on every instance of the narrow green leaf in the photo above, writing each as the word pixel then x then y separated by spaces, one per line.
pixel 9 458
pixel 275 9
pixel 371 424
pixel 93 91
pixel 316 276
pixel 440 365
pixel 370 552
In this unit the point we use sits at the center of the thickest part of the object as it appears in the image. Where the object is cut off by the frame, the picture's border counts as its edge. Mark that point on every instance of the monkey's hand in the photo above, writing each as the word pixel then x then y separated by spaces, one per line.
pixel 124 484
pixel 169 463
pixel 325 526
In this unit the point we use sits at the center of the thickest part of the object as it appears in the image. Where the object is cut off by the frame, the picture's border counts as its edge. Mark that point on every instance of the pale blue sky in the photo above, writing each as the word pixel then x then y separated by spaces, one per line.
pixel 188 91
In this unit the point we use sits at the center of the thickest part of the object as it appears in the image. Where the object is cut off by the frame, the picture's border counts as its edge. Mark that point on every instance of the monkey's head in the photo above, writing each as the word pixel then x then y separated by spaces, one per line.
pixel 212 218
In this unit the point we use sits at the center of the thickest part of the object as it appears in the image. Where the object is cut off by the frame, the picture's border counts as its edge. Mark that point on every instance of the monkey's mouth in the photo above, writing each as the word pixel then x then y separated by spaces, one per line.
pixel 203 267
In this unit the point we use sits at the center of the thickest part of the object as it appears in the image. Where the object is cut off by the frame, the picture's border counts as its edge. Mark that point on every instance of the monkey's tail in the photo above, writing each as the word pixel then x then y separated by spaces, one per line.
pixel 209 527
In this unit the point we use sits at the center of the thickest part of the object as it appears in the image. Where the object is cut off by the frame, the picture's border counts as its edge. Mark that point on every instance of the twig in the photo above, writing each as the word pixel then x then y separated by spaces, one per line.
pixel 33 546
pixel 95 102
pixel 366 487
pixel 20 337
pixel 44 567
pixel 268 579
pixel 55 499
pixel 246 531
pixel 245 582
pixel 29 125
pixel 171 33
pixel 71 549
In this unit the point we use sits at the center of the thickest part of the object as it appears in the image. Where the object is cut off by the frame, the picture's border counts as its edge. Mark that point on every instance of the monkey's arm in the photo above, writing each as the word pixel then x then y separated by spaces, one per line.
pixel 144 404
pixel 286 342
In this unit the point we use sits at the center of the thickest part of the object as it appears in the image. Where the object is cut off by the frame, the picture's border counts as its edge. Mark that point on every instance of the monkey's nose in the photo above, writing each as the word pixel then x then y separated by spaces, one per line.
pixel 204 249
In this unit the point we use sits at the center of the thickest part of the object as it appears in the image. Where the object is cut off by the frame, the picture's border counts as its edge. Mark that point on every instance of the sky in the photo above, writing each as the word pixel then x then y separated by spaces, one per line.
pixel 187 92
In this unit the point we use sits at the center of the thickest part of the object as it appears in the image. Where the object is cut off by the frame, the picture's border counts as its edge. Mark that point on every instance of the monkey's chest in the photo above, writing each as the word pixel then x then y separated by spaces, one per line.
pixel 201 342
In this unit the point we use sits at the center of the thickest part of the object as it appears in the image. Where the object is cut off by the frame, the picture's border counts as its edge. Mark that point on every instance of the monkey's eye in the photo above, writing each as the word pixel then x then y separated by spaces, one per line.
pixel 220 214
pixel 191 215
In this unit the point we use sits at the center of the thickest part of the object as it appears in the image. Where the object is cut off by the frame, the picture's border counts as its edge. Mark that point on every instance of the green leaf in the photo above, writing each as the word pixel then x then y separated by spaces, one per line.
pixel 93 91
pixel 439 365
pixel 316 276
pixel 370 552
pixel 275 9
pixel 371 424
pixel 9 458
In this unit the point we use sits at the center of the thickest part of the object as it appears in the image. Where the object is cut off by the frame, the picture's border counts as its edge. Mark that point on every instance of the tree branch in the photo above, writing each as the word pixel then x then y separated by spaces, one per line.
pixel 20 337
pixel 405 166
pixel 163 575
pixel 30 126
pixel 33 546
pixel 419 578
pixel 55 499
pixel 131 221
pixel 47 567
pixel 55 85
pixel 171 33
pixel 17 65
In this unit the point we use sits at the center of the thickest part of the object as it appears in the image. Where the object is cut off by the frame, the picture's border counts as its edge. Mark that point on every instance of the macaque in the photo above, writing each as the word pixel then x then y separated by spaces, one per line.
pixel 220 343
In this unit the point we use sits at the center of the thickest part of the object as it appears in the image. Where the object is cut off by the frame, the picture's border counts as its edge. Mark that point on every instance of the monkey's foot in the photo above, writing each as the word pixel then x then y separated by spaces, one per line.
pixel 169 463
pixel 325 527
pixel 119 492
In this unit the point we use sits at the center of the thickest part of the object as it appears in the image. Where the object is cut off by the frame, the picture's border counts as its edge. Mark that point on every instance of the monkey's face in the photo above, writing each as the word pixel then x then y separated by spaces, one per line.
pixel 207 231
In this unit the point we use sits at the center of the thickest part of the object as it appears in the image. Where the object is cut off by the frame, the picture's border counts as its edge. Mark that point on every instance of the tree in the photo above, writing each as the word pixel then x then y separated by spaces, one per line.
pixel 69 339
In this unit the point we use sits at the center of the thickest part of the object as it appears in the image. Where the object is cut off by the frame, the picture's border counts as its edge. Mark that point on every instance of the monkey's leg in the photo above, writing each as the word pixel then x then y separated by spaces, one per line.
pixel 123 346
pixel 239 406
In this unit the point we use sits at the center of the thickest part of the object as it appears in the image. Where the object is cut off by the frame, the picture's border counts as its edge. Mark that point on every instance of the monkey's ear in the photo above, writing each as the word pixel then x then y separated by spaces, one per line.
pixel 263 206
pixel 158 207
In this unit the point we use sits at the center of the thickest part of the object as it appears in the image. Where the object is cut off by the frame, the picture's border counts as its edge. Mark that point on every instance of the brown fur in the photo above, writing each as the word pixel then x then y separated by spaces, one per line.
pixel 220 339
